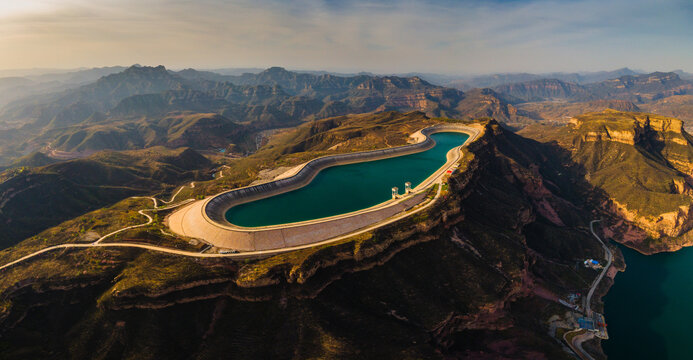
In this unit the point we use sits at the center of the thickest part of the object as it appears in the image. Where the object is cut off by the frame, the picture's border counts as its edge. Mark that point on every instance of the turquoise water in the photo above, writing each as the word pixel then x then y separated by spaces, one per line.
pixel 649 310
pixel 345 188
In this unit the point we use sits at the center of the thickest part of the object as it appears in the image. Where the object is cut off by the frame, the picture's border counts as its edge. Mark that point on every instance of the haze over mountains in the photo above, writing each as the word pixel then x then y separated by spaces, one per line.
pixel 130 107
pixel 117 108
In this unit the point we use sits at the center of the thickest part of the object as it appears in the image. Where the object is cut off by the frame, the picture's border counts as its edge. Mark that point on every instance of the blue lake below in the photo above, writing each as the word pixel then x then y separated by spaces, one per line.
pixel 649 309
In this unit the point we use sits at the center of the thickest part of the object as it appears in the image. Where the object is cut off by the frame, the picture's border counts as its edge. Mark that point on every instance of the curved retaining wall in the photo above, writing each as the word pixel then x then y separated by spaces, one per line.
pixel 205 219
pixel 216 207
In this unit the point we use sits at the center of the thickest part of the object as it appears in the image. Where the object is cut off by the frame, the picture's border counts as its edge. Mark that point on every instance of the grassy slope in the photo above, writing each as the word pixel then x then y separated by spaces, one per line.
pixel 308 141
pixel 640 176
pixel 34 199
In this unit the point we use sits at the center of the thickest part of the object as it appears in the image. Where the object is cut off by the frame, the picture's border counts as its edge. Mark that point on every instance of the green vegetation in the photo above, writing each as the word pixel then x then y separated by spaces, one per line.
pixel 323 137
pixel 638 181
pixel 33 199
pixel 83 229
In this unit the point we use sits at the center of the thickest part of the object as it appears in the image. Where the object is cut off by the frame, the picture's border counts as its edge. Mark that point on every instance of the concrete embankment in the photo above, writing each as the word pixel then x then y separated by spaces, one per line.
pixel 216 207
pixel 205 219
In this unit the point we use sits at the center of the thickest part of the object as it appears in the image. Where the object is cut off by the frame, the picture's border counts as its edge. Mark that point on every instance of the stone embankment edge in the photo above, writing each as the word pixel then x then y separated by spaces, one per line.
pixel 214 213
pixel 190 221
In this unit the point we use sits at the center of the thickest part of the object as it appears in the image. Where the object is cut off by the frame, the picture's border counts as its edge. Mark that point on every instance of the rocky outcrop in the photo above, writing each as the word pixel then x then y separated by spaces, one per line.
pixel 656 164
pixel 640 127
pixel 674 223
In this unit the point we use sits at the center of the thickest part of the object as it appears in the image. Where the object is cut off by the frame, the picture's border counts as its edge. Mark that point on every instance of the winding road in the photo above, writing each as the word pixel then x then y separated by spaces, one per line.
pixel 609 259
pixel 98 243
pixel 249 254
pixel 576 342
pixel 246 254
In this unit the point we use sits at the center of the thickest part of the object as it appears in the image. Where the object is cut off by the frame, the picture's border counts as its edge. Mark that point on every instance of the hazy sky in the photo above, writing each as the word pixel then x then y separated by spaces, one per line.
pixel 386 36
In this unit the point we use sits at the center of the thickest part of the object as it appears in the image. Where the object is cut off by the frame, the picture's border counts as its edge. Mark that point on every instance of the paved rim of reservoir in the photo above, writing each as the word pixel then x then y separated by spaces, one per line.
pixel 192 221
pixel 475 131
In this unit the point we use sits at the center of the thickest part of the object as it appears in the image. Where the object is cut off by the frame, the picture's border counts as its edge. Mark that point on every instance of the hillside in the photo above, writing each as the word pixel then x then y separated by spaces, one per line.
pixel 107 91
pixel 494 80
pixel 477 275
pixel 15 88
pixel 205 131
pixel 639 89
pixel 35 159
pixel 101 95
pixel 341 95
pixel 678 106
pixel 32 199
pixel 643 163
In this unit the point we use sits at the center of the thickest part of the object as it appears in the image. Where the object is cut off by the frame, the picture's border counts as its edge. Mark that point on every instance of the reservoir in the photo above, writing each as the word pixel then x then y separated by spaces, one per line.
pixel 346 188
pixel 649 310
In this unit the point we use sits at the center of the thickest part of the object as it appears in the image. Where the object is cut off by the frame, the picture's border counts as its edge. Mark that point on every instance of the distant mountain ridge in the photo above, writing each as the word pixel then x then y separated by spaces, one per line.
pixel 128 102
pixel 642 88
pixel 544 89
pixel 495 80
pixel 635 88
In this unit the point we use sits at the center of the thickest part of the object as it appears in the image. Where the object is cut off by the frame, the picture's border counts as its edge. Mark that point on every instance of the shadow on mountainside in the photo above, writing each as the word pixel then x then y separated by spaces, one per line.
pixel 460 280
pixel 638 298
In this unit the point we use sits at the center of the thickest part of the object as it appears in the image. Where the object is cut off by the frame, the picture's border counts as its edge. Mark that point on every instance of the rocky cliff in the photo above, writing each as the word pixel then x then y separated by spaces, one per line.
pixel 641 164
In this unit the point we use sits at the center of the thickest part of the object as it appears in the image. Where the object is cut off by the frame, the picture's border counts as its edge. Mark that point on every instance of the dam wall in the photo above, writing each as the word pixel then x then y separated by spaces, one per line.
pixel 188 222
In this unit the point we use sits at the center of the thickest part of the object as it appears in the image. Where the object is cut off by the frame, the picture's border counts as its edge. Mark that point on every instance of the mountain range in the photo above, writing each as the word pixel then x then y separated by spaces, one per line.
pixel 129 102
pixel 143 106
pixel 509 78
pixel 636 88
